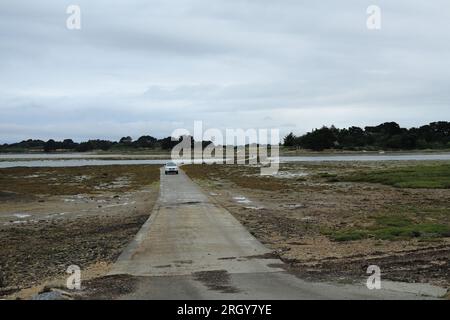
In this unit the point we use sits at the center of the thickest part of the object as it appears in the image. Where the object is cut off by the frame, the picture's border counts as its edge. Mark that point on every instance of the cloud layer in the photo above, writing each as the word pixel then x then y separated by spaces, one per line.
pixel 148 67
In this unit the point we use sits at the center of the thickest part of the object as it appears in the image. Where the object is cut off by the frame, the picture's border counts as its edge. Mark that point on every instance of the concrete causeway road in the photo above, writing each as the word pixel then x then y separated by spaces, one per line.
pixel 190 248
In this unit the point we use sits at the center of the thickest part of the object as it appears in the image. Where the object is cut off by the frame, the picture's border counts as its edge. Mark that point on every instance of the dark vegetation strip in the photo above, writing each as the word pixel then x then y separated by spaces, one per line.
pixel 389 136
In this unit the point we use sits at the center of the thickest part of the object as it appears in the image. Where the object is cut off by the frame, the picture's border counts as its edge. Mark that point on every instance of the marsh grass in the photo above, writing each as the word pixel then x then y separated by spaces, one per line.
pixel 395 227
pixel 417 176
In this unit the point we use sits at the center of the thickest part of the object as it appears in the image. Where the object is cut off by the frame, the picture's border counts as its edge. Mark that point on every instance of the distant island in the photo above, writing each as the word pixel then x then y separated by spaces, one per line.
pixel 386 136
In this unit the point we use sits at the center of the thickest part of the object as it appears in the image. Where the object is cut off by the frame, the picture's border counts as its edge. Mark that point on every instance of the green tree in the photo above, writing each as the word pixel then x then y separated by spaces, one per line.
pixel 290 140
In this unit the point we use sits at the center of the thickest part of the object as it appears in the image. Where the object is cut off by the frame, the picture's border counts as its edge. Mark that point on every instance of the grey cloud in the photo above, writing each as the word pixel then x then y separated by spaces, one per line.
pixel 140 67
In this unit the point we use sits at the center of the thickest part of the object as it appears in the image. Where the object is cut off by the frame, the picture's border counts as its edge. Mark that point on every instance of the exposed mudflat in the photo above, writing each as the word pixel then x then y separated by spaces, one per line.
pixel 81 223
pixel 309 218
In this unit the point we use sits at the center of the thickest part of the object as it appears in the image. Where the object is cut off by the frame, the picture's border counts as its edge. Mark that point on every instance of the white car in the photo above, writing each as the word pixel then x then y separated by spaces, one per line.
pixel 171 167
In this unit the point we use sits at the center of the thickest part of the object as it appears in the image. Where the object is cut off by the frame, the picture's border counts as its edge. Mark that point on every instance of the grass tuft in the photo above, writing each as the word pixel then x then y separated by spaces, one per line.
pixel 393 228
pixel 418 176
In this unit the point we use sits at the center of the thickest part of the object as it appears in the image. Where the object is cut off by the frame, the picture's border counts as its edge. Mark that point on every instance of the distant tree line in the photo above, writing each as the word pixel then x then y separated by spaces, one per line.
pixel 125 143
pixel 386 136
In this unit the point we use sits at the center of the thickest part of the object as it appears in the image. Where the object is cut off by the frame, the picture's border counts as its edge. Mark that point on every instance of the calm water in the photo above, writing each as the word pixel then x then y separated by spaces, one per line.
pixel 381 157
pixel 74 163
pixel 84 162
pixel 73 160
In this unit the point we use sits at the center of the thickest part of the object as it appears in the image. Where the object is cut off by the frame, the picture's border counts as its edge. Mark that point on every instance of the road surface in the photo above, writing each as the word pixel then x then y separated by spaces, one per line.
pixel 190 248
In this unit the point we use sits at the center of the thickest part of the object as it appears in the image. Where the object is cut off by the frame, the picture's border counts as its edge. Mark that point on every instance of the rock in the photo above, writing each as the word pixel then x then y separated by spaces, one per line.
pixel 293 205
pixel 307 219
pixel 53 294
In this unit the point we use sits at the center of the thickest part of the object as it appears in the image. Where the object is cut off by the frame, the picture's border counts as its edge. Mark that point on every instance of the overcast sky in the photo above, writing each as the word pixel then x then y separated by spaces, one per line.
pixel 149 66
